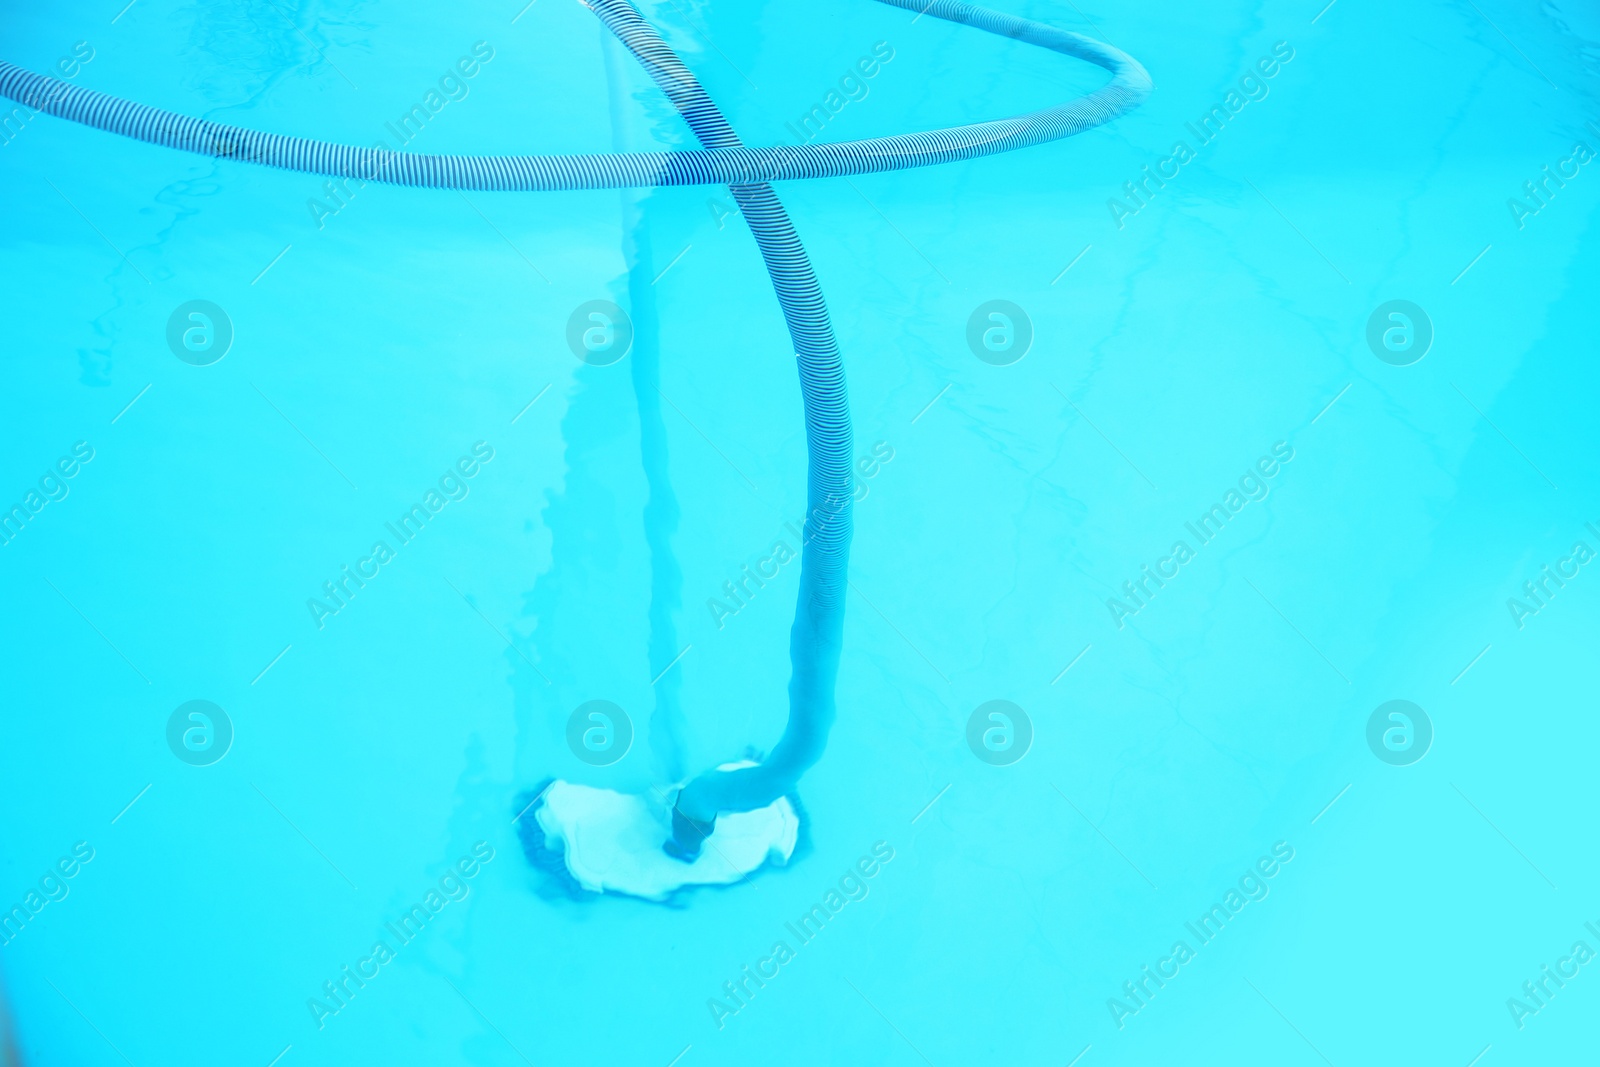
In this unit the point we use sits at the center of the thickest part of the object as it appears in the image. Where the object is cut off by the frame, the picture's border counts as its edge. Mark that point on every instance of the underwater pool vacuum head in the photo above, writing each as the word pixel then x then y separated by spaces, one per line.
pixel 602 841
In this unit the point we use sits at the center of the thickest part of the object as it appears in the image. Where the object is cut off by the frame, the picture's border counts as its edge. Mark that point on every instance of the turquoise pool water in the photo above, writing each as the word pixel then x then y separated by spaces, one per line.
pixel 1363 503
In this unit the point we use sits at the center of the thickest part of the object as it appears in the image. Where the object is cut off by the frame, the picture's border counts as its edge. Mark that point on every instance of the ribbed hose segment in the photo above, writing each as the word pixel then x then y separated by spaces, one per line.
pixel 722 165
pixel 817 635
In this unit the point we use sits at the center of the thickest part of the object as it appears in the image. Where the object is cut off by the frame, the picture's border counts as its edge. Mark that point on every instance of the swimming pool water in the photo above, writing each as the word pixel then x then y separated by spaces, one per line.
pixel 1230 504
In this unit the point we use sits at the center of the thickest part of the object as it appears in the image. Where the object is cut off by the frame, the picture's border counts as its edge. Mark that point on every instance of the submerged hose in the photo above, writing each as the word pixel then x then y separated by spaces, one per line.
pixel 716 166
pixel 816 637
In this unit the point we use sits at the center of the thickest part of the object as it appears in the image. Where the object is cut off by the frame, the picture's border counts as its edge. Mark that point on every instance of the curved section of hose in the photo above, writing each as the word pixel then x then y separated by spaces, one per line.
pixel 720 165
pixel 816 637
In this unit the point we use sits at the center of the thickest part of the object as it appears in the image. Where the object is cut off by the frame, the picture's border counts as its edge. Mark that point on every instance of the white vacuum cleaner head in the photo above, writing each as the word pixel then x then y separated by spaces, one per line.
pixel 610 842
